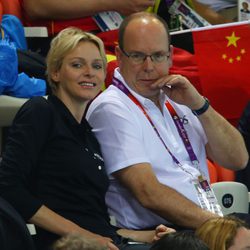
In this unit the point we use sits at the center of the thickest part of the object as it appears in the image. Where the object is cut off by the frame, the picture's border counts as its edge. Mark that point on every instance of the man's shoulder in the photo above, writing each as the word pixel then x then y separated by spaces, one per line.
pixel 112 100
pixel 109 95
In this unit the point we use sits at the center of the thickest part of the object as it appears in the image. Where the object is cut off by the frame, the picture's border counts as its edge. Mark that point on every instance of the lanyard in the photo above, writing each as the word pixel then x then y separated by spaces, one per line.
pixel 183 133
pixel 179 125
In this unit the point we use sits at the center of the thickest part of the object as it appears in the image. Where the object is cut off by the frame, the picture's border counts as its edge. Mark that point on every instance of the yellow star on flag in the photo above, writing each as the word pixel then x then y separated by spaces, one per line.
pixel 232 40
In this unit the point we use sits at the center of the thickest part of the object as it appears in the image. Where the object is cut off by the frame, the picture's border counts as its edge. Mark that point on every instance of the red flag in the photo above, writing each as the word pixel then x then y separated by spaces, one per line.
pixel 110 40
pixel 184 63
pixel 223 58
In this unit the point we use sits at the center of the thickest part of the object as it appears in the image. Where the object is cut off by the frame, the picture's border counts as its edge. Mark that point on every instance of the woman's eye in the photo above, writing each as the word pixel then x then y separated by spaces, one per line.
pixel 76 65
pixel 97 66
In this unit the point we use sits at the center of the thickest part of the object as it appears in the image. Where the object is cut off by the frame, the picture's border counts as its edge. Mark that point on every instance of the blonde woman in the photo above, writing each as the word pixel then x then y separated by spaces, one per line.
pixel 225 233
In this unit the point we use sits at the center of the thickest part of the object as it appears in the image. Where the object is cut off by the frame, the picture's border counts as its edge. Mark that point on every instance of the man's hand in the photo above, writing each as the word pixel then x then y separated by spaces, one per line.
pixel 180 90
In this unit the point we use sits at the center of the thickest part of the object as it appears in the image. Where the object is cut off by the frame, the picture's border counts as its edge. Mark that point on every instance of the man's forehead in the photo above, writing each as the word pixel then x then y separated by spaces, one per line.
pixel 141 32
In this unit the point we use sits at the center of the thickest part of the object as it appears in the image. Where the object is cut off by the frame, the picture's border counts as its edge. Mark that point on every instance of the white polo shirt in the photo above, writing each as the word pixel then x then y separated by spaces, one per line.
pixel 127 137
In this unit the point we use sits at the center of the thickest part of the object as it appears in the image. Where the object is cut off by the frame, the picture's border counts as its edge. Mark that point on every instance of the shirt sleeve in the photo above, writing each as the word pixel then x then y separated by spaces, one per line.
pixel 26 139
pixel 119 133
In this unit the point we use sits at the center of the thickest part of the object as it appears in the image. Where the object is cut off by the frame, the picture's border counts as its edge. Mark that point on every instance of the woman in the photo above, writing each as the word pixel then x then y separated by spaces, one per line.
pixel 225 233
pixel 52 171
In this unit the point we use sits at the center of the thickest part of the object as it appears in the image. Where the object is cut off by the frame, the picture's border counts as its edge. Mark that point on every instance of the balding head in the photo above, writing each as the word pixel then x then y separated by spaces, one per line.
pixel 141 20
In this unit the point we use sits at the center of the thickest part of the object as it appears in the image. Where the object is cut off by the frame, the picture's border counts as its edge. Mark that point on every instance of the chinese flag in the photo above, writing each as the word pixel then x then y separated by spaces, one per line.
pixel 184 63
pixel 223 58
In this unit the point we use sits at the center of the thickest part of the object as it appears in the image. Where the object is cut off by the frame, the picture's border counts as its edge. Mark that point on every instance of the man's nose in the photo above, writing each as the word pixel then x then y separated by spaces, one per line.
pixel 148 64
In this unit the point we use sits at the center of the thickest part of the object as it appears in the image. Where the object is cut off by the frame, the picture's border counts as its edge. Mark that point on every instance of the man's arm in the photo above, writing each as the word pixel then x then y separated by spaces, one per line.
pixel 162 200
pixel 225 144
pixel 66 9
pixel 209 14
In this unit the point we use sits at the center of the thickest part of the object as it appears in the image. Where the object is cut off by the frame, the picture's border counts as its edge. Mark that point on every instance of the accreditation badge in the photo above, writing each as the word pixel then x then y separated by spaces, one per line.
pixel 108 20
pixel 206 196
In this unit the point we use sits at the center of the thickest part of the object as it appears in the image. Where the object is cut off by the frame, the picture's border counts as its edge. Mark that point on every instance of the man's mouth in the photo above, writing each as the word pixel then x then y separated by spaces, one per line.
pixel 148 81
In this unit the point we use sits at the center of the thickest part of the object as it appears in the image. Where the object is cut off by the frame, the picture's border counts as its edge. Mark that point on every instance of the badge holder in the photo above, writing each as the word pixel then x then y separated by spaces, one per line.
pixel 206 196
pixel 108 20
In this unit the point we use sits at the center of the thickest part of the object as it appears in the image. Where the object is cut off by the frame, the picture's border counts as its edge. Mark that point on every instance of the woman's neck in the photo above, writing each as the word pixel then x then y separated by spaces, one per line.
pixel 76 107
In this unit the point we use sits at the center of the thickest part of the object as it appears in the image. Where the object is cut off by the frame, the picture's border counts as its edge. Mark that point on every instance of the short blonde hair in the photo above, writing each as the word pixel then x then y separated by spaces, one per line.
pixel 219 233
pixel 63 43
pixel 76 242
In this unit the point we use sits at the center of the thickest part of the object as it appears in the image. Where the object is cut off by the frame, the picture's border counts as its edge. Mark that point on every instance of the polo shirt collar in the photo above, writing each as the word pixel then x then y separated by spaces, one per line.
pixel 143 100
pixel 65 113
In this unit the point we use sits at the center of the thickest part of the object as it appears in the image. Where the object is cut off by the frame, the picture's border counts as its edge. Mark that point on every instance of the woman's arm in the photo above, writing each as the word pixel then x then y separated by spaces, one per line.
pixel 148 236
pixel 53 222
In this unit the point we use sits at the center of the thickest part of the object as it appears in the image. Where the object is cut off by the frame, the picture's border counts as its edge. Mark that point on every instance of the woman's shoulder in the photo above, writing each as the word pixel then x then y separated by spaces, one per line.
pixel 38 102
pixel 36 107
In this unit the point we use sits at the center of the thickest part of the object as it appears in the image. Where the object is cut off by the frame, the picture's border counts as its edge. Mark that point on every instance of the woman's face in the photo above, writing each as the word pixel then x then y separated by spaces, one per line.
pixel 81 75
pixel 241 240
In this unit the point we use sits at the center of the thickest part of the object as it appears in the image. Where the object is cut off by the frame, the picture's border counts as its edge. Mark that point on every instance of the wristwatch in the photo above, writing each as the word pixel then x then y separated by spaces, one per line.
pixel 203 109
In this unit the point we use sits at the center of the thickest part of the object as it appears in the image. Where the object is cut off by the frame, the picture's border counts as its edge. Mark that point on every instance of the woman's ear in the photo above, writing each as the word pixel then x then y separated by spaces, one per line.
pixel 55 76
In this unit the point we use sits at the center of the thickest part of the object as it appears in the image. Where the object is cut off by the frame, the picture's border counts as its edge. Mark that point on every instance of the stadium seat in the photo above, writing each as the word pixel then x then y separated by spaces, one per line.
pixel 14 234
pixel 232 196
pixel 212 171
pixel 12 7
pixel 218 173
pixel 8 108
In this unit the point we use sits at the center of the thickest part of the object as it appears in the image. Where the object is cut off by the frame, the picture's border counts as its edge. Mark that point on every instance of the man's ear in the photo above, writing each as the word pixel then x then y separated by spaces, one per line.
pixel 118 54
pixel 171 54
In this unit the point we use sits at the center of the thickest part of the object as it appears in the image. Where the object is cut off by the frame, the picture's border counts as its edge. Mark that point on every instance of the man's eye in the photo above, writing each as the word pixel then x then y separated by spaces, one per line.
pixel 158 56
pixel 137 55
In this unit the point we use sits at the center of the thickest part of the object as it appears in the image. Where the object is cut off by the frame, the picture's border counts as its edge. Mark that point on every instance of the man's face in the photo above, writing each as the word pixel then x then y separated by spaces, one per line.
pixel 146 36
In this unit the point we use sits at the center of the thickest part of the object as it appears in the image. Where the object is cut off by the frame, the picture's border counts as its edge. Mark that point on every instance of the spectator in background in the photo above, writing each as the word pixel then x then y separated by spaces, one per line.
pixel 243 176
pixel 217 11
pixel 80 12
pixel 58 14
pixel 185 240
pixel 226 233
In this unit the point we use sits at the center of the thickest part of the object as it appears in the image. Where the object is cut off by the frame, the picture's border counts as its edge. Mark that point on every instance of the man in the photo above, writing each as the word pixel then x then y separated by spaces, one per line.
pixel 153 146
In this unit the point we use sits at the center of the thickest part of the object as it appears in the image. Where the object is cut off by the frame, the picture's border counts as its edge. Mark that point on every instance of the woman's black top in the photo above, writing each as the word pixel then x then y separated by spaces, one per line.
pixel 53 160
